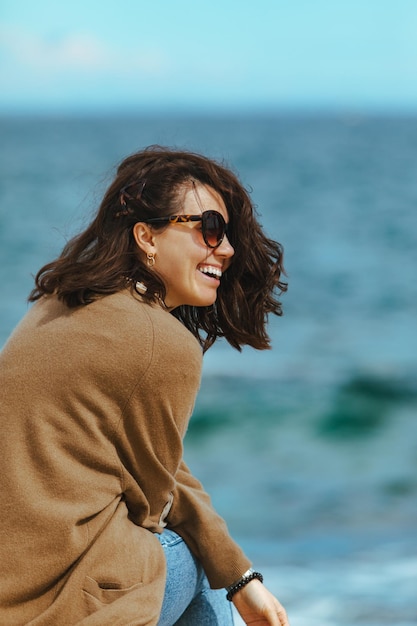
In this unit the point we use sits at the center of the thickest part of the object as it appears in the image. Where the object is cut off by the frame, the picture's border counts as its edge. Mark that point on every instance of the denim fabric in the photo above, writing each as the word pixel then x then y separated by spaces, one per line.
pixel 188 599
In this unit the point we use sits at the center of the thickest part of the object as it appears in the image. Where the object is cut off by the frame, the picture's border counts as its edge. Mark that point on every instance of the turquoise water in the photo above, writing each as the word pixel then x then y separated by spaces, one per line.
pixel 309 449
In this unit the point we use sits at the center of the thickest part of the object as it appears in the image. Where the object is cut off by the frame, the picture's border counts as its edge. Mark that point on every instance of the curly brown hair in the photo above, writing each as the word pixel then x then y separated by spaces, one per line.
pixel 103 257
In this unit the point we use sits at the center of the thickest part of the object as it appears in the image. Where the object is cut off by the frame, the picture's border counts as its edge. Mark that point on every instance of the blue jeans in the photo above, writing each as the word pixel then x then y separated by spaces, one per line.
pixel 188 599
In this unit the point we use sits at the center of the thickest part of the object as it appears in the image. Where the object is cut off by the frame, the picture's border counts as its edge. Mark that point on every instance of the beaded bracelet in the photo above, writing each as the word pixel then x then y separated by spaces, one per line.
pixel 244 580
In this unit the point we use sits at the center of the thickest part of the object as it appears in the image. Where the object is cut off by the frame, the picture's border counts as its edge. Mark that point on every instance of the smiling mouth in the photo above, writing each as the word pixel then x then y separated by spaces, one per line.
pixel 212 272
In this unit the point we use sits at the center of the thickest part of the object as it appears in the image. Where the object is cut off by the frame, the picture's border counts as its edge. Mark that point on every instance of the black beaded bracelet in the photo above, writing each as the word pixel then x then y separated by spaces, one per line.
pixel 242 582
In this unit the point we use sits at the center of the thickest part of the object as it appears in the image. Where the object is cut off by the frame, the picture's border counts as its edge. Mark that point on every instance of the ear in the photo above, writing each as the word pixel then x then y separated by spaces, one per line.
pixel 144 237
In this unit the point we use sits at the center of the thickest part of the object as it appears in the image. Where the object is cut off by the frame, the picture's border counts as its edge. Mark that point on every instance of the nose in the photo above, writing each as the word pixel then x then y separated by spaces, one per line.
pixel 225 249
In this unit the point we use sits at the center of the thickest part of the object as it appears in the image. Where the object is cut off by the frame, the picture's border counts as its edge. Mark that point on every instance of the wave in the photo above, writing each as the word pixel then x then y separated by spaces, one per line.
pixel 359 406
pixel 363 405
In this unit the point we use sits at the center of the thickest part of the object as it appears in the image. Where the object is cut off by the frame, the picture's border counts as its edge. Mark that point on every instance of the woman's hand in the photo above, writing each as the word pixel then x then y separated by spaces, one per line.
pixel 258 607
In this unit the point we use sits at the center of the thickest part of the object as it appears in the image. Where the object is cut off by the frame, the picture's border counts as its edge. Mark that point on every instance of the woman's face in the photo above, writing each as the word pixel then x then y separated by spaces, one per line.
pixel 190 270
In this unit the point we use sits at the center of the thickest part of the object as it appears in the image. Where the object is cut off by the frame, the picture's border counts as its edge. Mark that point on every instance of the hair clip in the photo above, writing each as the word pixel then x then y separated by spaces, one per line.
pixel 125 195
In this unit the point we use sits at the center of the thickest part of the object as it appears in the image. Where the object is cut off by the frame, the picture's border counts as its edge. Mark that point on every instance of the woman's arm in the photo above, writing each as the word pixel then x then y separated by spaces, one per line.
pixel 205 532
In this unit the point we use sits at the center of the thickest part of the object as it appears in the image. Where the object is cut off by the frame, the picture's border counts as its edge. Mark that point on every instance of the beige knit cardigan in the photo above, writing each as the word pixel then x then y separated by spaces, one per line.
pixel 95 402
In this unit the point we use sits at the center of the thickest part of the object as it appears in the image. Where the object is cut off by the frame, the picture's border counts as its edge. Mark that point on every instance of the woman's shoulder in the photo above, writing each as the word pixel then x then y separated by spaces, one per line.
pixel 121 324
pixel 151 330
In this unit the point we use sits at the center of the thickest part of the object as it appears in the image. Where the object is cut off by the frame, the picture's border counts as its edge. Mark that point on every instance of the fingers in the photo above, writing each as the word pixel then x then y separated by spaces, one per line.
pixel 280 613
pixel 283 617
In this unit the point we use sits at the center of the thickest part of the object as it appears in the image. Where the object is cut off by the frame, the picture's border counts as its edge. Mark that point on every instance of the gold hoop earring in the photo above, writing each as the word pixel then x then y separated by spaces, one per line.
pixel 150 259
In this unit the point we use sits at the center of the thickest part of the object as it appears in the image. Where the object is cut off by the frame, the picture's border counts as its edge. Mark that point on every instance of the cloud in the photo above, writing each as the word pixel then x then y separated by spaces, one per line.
pixel 75 52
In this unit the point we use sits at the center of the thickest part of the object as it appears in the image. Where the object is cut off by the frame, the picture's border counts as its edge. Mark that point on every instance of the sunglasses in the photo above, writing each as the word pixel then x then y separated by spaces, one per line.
pixel 213 226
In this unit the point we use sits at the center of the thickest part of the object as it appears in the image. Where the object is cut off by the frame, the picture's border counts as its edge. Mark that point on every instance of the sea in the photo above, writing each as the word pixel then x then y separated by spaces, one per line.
pixel 309 450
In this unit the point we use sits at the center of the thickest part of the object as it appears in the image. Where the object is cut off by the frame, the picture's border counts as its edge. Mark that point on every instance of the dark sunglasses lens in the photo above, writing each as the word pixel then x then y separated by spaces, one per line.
pixel 214 228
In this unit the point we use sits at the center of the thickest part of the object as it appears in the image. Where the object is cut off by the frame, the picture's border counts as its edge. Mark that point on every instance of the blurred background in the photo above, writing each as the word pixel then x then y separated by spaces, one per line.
pixel 309 450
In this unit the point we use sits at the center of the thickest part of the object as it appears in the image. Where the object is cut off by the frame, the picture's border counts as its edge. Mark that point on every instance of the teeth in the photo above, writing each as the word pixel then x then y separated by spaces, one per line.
pixel 211 271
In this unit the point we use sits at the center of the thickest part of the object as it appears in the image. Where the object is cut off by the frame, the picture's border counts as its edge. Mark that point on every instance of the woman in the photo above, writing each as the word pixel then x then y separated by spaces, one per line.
pixel 102 523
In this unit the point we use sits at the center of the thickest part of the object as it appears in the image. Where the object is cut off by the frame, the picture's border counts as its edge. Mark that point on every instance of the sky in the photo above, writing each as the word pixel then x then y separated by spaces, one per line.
pixel 157 55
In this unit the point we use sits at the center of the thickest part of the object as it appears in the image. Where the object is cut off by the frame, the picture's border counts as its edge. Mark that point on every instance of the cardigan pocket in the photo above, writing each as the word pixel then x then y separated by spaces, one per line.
pixel 97 594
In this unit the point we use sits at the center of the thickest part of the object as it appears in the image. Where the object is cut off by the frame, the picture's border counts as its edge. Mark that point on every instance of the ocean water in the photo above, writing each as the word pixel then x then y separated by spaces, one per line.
pixel 309 450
